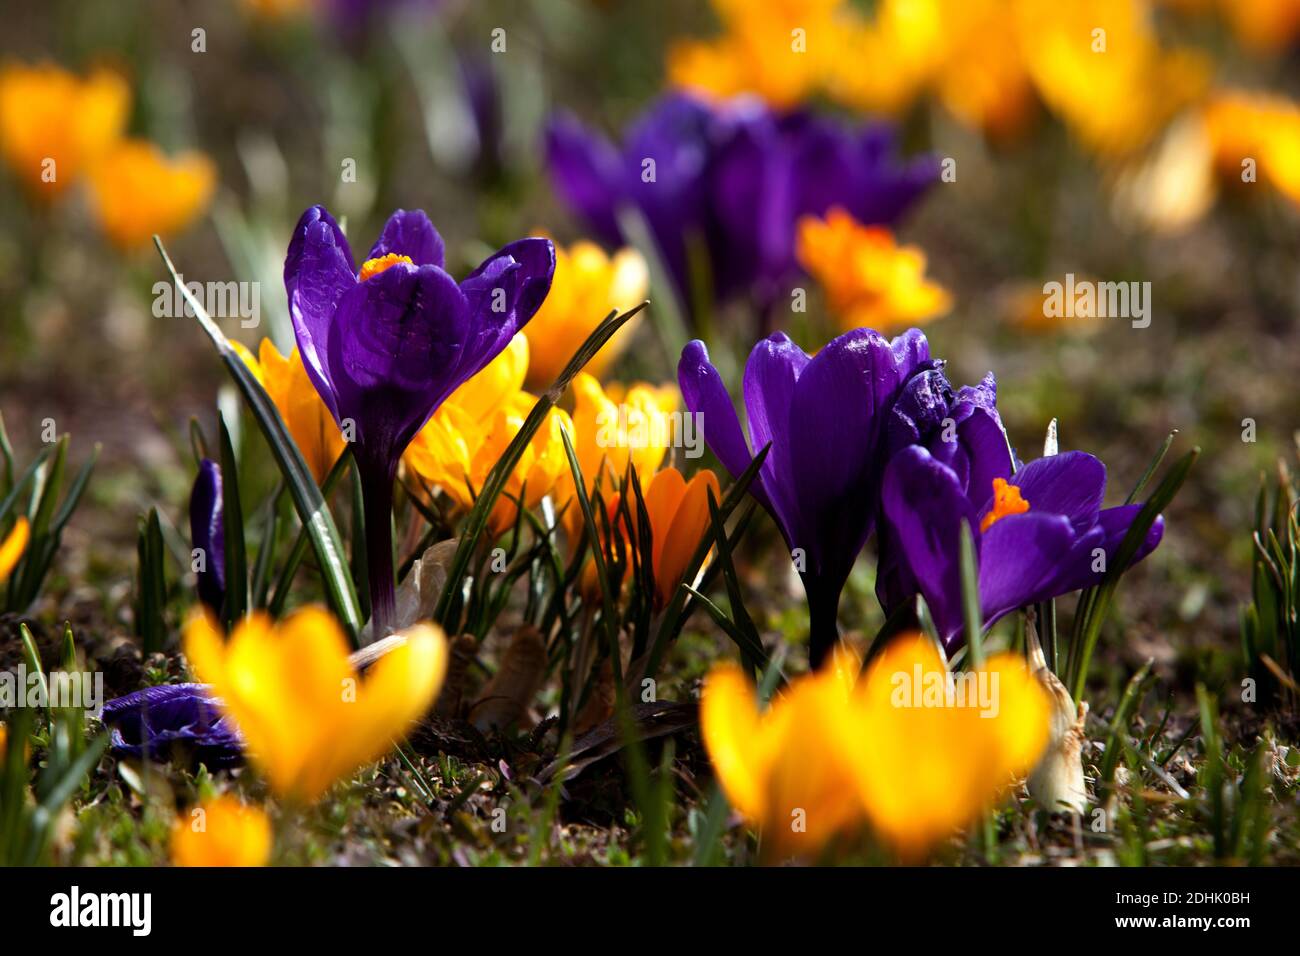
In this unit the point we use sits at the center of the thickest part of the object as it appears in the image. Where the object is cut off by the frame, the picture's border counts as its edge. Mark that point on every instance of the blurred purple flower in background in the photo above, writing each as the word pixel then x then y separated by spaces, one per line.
pixel 726 184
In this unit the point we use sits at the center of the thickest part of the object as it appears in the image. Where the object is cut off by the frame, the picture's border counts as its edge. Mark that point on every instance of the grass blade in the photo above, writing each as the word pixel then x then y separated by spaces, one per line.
pixel 312 510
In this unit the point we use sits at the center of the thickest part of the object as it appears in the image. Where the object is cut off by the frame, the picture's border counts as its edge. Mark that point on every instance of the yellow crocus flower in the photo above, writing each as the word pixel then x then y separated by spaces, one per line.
pixel 869 279
pixel 891 749
pixel 587 285
pixel 458 447
pixel 457 452
pixel 222 832
pixel 679 518
pixel 54 125
pixel 11 550
pixel 307 717
pixel 925 768
pixel 777 50
pixel 309 421
pixel 785 769
pixel 136 191
pixel 614 425
pixel 1262 127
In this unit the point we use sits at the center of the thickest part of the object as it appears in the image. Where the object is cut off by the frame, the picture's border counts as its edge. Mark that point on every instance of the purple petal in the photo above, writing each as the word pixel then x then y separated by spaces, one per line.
pixel 705 395
pixel 924 505
pixel 318 270
pixel 1019 556
pixel 502 295
pixel 157 721
pixel 773 368
pixel 1076 569
pixel 1072 483
pixel 398 341
pixel 410 234
pixel 585 169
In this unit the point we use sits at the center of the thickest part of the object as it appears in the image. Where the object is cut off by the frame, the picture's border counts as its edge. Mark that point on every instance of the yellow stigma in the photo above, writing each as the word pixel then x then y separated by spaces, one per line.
pixel 1006 501
pixel 372 267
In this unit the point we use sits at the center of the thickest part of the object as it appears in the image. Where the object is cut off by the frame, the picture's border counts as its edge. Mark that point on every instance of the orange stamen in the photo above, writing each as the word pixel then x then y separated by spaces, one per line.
pixel 1006 501
pixel 372 267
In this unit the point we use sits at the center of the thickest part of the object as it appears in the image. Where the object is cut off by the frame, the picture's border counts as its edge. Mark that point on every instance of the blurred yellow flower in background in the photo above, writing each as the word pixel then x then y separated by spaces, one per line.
pixel 458 447
pixel 137 190
pixel 48 114
pixel 305 415
pixel 222 832
pixel 587 285
pixel 909 748
pixel 1255 136
pixel 1099 65
pixel 869 279
pixel 307 717
pixel 11 549
pixel 778 50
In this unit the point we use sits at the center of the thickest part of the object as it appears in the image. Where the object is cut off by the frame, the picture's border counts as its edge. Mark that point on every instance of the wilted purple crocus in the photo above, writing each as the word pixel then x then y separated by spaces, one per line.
pixel 825 419
pixel 207 534
pixel 1039 533
pixel 159 722
pixel 385 345
pixel 726 184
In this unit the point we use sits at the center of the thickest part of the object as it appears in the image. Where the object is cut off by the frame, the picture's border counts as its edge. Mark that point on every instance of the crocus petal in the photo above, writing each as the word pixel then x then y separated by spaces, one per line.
pixel 1018 556
pixel 1081 567
pixel 773 368
pixel 13 546
pixel 705 394
pixel 318 271
pixel 410 234
pixel 730 726
pixel 676 543
pixel 924 504
pixel 231 835
pixel 157 721
pixel 1072 483
pixel 585 169
pixel 835 423
pixel 393 334
pixel 502 295
pixel 983 444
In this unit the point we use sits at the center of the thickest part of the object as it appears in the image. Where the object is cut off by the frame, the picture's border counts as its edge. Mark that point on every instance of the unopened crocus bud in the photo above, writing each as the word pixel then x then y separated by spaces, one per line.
pixel 207 534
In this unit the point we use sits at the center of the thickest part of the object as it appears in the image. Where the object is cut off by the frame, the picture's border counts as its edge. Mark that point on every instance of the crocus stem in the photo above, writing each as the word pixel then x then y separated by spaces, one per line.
pixel 823 610
pixel 377 502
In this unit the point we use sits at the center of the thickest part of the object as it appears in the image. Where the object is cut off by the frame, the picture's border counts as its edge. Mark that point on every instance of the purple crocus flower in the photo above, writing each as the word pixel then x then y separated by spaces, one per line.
pixel 158 721
pixel 731 180
pixel 1039 533
pixel 962 429
pixel 207 533
pixel 386 344
pixel 825 419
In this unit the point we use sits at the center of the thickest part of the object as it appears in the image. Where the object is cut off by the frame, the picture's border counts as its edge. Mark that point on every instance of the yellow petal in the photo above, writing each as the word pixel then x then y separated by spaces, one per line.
pixel 12 548
pixel 222 832
pixel 730 725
